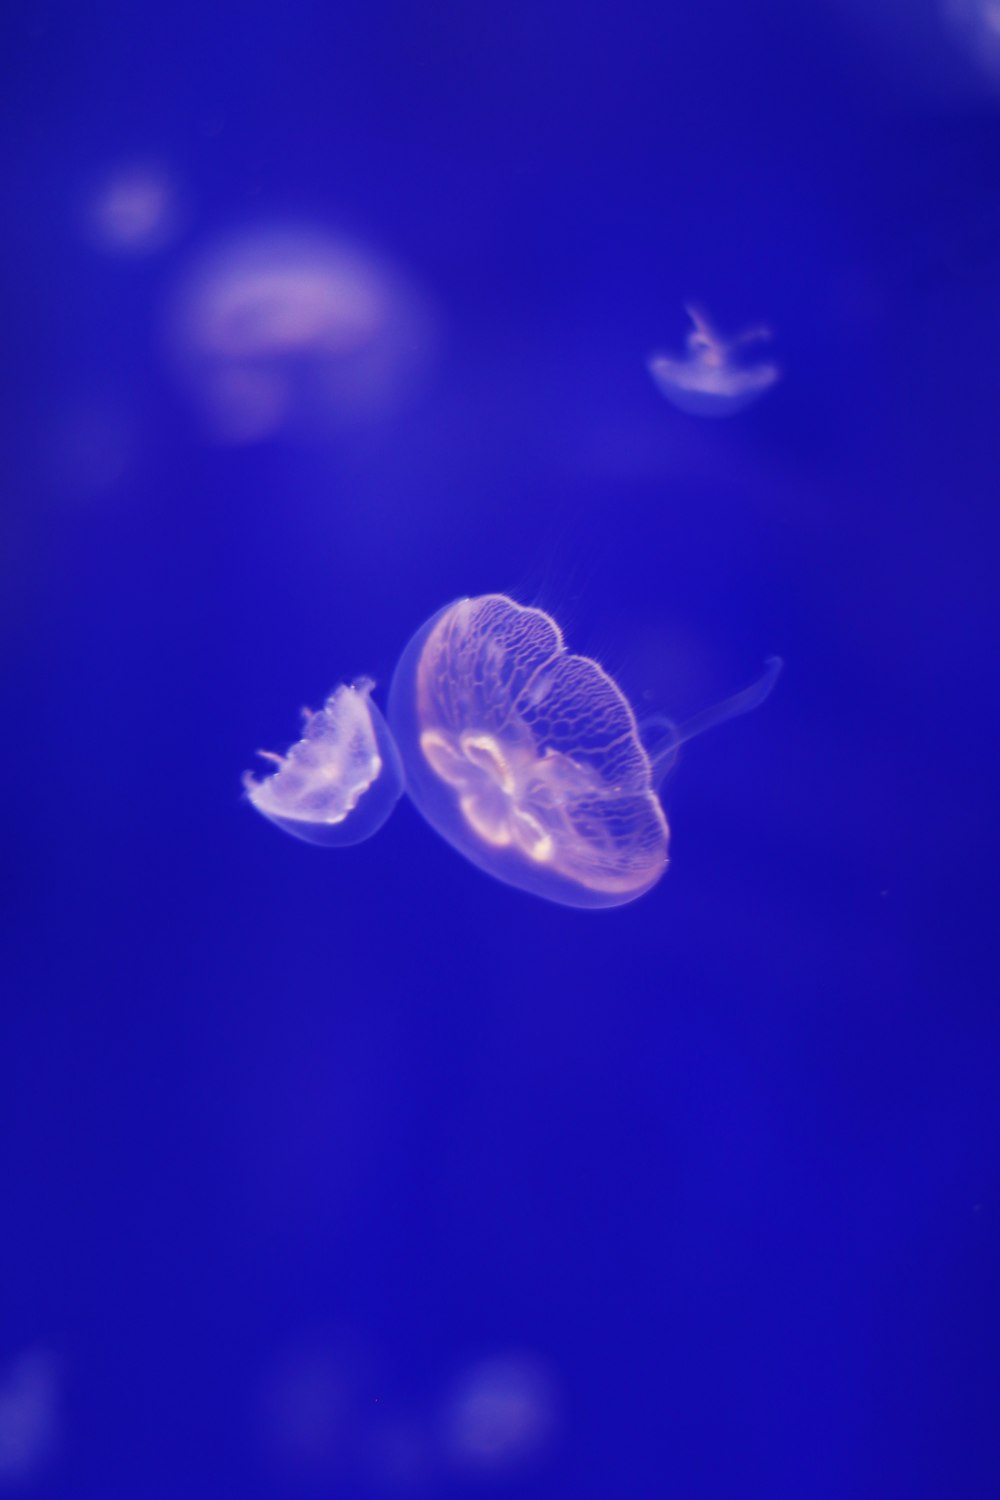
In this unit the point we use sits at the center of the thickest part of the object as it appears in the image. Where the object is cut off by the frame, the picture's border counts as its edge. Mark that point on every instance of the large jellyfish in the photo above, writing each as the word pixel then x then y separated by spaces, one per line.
pixel 529 760
pixel 341 781
pixel 713 379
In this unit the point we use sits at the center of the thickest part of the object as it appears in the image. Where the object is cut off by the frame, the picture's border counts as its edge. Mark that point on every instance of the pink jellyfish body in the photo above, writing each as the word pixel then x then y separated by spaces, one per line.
pixel 526 758
pixel 338 784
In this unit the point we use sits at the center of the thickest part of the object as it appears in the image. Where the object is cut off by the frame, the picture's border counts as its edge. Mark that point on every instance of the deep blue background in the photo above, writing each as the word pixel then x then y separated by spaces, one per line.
pixel 724 1162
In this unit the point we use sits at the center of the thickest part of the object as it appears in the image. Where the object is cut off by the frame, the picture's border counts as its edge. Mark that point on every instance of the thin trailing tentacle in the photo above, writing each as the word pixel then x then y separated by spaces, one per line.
pixel 664 756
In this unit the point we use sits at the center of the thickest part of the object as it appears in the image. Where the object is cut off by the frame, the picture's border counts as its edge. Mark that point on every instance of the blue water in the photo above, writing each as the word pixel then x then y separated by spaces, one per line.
pixel 299 1146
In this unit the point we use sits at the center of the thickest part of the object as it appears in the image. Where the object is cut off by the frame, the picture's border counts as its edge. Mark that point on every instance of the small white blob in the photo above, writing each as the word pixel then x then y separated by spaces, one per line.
pixel 135 209
pixel 501 1415
pixel 714 378
pixel 338 784
pixel 299 333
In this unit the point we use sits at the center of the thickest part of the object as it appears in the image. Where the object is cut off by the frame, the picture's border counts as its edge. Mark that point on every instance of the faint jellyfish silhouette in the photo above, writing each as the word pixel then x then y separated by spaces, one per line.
pixel 502 1414
pixel 28 1415
pixel 135 209
pixel 88 446
pixel 306 1415
pixel 400 1459
pixel 338 784
pixel 713 379
pixel 529 760
pixel 977 25
pixel 278 330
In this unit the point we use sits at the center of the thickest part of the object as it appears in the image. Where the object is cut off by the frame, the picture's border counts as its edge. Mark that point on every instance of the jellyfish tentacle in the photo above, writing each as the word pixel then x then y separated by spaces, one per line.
pixel 661 739
pixel 743 702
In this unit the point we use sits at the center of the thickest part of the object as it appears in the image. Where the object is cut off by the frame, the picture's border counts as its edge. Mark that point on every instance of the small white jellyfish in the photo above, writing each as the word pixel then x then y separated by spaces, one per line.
pixel 713 379
pixel 338 784
pixel 529 760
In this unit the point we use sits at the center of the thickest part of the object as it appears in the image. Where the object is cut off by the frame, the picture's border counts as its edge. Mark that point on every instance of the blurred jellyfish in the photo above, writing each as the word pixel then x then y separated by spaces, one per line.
pixel 529 760
pixel 284 331
pixel 87 447
pixel 341 781
pixel 501 1414
pixel 399 1456
pixel 304 1413
pixel 134 209
pixel 977 25
pixel 28 1397
pixel 713 379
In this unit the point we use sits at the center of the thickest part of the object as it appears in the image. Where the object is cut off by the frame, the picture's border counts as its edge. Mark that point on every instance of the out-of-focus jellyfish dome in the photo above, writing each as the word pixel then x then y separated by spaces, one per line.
pixel 135 208
pixel 29 1417
pixel 298 332
pixel 976 25
pixel 526 758
pixel 715 378
pixel 501 1415
pixel 339 783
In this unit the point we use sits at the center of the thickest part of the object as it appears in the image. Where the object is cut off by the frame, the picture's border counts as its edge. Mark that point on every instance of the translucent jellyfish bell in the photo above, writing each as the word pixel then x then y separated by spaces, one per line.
pixel 529 760
pixel 713 379
pixel 342 779
pixel 526 758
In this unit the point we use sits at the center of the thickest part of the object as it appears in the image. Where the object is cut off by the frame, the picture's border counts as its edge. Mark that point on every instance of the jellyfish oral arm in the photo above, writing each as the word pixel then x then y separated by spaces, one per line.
pixel 702 336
